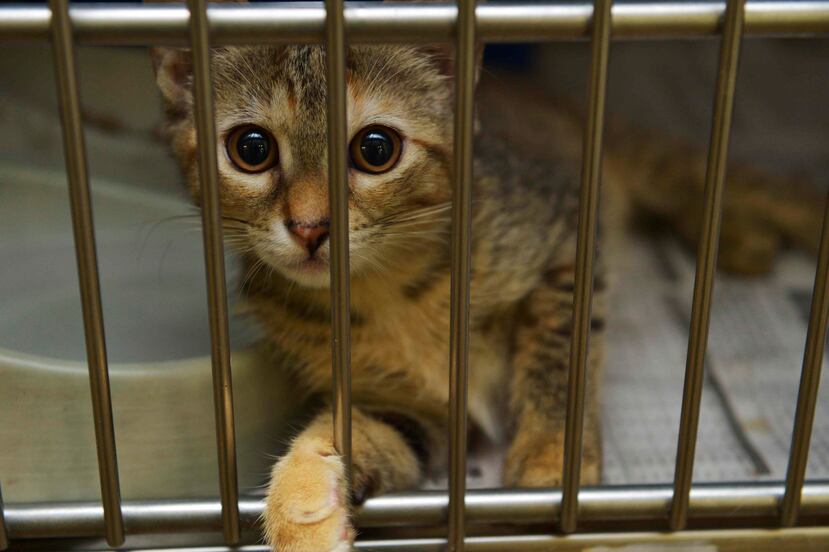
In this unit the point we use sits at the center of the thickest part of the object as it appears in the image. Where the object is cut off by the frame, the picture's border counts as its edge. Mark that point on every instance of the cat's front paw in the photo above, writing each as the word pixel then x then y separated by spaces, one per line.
pixel 538 461
pixel 307 504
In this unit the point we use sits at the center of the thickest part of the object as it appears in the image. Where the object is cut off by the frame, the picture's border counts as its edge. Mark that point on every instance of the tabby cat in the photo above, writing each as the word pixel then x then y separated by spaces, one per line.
pixel 271 123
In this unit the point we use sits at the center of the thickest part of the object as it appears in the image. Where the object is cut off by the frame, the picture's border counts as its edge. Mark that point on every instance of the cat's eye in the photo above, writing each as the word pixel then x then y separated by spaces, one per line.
pixel 252 149
pixel 375 149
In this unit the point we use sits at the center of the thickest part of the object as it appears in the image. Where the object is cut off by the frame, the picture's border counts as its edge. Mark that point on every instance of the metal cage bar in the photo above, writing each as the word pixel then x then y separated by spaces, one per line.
pixel 608 509
pixel 809 382
pixel 215 270
pixel 278 23
pixel 706 260
pixel 745 539
pixel 338 198
pixel 4 534
pixel 465 75
pixel 585 255
pixel 66 78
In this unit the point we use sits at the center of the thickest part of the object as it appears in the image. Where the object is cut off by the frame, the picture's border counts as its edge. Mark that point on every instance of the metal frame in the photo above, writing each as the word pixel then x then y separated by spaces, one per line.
pixel 465 46
pixel 82 227
pixel 706 260
pixel 305 23
pixel 338 197
pixel 215 270
pixel 585 254
pixel 605 508
pixel 809 383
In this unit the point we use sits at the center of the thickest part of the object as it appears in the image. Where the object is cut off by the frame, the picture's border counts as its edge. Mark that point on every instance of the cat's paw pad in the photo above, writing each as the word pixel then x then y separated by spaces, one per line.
pixel 307 505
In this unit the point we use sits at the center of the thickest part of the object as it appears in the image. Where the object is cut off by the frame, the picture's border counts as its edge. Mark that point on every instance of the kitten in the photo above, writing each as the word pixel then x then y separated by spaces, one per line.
pixel 271 121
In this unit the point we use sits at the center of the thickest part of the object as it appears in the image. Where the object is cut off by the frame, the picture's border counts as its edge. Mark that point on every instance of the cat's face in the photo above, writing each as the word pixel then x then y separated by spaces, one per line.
pixel 272 150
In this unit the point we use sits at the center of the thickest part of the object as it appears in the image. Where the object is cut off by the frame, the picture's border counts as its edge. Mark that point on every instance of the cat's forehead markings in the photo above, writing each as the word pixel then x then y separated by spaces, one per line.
pixel 289 91
pixel 283 103
pixel 361 106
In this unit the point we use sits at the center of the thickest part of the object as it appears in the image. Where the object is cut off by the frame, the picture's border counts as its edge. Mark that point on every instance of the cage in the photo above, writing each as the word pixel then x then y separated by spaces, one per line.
pixel 788 514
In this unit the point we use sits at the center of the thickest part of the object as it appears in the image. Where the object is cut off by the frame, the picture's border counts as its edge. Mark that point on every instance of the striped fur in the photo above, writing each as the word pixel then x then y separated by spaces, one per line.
pixel 524 219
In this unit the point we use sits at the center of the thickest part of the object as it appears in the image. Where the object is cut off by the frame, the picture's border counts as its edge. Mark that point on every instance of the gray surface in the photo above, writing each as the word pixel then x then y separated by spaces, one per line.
pixel 758 330
pixel 154 300
pixel 151 266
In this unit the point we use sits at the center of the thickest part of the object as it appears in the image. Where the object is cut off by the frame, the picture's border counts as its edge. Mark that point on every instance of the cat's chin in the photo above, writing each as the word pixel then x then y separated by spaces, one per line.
pixel 312 273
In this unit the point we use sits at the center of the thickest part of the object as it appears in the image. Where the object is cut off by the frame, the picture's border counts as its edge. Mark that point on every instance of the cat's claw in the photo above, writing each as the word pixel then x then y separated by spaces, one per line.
pixel 307 509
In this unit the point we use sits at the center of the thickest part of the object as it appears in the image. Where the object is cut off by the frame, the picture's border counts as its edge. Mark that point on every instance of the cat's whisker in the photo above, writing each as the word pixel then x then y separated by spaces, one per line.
pixel 376 81
pixel 390 76
pixel 252 272
pixel 288 293
pixel 239 240
pixel 417 233
pixel 235 219
pixel 371 74
pixel 418 213
pixel 411 214
pixel 432 225
pixel 429 218
pixel 372 261
pixel 234 229
pixel 424 226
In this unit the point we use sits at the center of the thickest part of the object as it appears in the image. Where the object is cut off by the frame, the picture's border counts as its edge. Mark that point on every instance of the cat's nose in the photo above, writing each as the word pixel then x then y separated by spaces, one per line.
pixel 310 235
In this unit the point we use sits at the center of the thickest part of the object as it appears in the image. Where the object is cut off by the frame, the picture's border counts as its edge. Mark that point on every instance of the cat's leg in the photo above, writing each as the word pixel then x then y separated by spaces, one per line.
pixel 307 507
pixel 663 180
pixel 538 392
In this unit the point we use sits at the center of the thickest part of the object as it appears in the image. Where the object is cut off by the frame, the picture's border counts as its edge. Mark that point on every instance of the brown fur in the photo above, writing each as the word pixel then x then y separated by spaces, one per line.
pixel 761 214
pixel 524 220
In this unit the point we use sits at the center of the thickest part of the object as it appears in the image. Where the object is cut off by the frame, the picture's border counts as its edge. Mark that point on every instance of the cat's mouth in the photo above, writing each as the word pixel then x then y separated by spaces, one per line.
pixel 311 272
pixel 312 264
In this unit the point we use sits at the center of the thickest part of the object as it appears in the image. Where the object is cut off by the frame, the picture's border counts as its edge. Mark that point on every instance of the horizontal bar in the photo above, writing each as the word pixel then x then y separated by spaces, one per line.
pixel 66 79
pixel 215 273
pixel 743 503
pixel 809 381
pixel 338 204
pixel 4 536
pixel 709 239
pixel 585 255
pixel 807 538
pixel 464 115
pixel 305 22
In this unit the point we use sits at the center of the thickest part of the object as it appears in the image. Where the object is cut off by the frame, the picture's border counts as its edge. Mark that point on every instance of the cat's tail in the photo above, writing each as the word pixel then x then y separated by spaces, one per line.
pixel 662 181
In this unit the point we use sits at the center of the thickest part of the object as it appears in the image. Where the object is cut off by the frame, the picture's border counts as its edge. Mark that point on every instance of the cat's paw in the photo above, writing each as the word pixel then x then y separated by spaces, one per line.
pixel 533 466
pixel 542 466
pixel 307 504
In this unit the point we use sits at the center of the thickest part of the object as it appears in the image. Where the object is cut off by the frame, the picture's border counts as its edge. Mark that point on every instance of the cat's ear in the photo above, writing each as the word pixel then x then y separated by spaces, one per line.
pixel 174 67
pixel 173 74
pixel 443 56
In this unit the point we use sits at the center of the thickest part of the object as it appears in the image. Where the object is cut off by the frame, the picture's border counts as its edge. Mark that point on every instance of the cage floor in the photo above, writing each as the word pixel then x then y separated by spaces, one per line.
pixel 758 329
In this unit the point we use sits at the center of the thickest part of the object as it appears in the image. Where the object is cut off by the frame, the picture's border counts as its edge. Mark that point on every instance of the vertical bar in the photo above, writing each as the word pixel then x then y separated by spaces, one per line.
pixel 585 255
pixel 809 382
pixel 706 260
pixel 4 534
pixel 215 268
pixel 465 67
pixel 338 198
pixel 82 227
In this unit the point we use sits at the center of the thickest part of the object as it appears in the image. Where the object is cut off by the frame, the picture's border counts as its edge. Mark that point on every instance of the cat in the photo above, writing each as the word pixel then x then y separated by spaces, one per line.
pixel 271 125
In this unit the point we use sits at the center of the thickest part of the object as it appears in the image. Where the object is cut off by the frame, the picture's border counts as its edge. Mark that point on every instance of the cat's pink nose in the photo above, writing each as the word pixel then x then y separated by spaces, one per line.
pixel 310 235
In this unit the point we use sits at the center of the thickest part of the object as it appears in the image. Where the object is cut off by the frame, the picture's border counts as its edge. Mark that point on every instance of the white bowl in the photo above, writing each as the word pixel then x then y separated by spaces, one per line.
pixel 155 314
